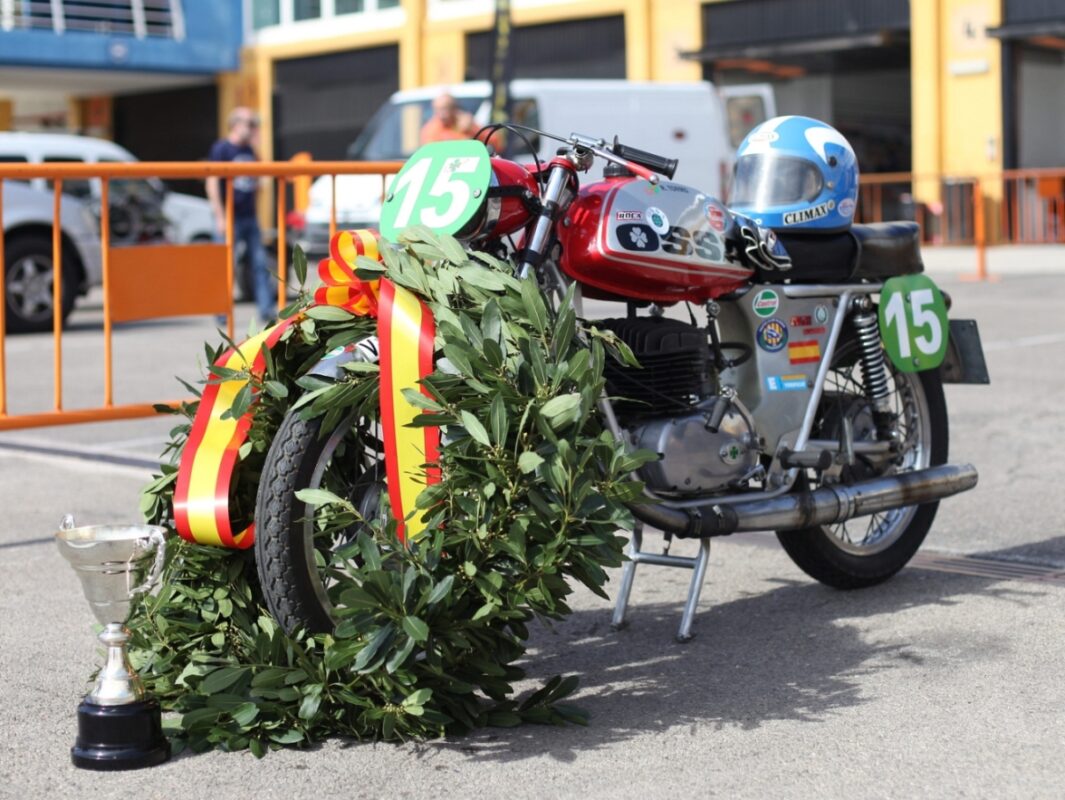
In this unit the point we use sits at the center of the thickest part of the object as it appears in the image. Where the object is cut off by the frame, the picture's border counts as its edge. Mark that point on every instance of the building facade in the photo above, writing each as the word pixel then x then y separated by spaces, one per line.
pixel 959 87
pixel 143 72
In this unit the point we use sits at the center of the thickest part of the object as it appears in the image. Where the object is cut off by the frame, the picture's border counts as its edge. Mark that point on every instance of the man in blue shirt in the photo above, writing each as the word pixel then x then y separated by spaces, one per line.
pixel 243 125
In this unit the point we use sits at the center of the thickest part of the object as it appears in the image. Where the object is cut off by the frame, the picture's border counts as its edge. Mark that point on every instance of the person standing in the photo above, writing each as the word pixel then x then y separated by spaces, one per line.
pixel 449 122
pixel 238 145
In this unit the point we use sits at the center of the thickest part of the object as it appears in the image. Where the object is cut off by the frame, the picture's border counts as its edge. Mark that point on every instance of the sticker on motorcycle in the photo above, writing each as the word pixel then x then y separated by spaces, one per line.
pixel 772 335
pixel 913 323
pixel 442 186
pixel 766 303
pixel 787 383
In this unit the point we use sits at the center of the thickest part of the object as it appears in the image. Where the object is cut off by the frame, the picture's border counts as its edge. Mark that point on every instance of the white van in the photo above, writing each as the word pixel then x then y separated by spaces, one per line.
pixel 687 121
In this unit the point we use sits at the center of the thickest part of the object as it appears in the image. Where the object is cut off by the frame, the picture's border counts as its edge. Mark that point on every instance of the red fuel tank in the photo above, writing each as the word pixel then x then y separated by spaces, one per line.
pixel 664 242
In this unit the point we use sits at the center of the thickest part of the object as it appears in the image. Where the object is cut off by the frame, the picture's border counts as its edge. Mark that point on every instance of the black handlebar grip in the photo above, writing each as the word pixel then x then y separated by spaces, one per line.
pixel 660 164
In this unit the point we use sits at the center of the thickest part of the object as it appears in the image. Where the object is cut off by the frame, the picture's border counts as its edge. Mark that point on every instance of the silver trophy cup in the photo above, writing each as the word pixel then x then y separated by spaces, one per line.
pixel 118 726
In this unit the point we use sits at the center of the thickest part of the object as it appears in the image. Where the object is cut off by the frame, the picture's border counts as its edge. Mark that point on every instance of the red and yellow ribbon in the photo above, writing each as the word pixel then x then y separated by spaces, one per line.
pixel 406 330
pixel 201 497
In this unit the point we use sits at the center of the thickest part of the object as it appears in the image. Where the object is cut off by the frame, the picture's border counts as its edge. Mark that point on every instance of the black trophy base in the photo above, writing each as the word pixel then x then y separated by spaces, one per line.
pixel 129 736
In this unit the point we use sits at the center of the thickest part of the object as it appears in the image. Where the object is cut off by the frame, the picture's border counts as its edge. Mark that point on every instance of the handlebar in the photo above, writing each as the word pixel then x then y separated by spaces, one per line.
pixel 660 164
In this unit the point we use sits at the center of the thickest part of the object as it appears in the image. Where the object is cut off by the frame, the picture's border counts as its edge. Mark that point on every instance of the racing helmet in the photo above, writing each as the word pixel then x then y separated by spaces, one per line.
pixel 796 174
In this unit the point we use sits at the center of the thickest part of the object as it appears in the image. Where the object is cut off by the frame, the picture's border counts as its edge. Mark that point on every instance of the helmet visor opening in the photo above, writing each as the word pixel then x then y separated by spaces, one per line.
pixel 763 181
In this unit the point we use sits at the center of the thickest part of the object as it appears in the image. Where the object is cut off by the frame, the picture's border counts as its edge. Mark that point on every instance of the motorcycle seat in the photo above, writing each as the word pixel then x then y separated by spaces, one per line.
pixel 886 249
pixel 872 252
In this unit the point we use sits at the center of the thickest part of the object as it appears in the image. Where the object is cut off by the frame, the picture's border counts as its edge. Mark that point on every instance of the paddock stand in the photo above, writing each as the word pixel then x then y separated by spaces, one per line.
pixel 638 556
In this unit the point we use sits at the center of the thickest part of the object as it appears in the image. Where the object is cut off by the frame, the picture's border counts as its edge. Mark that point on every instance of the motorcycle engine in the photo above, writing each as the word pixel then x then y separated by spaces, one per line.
pixel 671 406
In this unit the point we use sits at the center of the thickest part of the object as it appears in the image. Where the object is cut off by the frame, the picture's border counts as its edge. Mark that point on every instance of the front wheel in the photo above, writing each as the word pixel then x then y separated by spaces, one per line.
pixel 299 551
pixel 868 550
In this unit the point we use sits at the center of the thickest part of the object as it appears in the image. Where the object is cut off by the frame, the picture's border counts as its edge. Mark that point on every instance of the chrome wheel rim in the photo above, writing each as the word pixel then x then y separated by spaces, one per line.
pixel 29 287
pixel 868 535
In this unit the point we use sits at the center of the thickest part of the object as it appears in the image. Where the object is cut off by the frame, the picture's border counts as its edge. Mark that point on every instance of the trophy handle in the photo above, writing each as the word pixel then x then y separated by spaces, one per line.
pixel 158 538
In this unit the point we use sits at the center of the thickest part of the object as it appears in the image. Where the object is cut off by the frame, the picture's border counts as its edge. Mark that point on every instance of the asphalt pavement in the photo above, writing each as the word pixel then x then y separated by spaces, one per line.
pixel 944 682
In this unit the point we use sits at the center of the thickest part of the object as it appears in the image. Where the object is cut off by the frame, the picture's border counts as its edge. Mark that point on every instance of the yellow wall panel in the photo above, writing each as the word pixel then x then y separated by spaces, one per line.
pixel 676 28
pixel 971 134
pixel 444 57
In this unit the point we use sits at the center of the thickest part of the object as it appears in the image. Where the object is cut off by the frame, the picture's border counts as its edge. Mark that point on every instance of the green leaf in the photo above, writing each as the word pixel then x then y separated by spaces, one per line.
pixel 529 461
pixel 482 278
pixel 533 301
pixel 245 714
pixel 561 406
pixel 329 313
pixel 415 628
pixel 497 417
pixel 221 679
pixel 418 698
pixel 474 427
pixel 504 719
pixel 452 250
pixel 440 591
pixel 291 736
pixel 320 497
pixel 299 264
pixel 276 389
pixel 309 706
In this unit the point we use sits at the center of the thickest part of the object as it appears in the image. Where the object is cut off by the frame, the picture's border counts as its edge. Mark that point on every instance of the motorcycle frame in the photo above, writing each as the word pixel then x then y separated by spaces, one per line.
pixel 558 193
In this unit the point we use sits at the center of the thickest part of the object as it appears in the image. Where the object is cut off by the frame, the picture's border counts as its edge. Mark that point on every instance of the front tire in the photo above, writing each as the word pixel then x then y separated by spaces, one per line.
pixel 294 556
pixel 865 551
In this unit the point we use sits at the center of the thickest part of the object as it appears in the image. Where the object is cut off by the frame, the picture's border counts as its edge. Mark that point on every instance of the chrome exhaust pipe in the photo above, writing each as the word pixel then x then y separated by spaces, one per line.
pixel 825 506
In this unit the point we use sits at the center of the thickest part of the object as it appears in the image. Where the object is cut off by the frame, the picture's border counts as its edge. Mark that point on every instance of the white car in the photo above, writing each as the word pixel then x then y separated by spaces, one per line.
pixel 28 267
pixel 188 218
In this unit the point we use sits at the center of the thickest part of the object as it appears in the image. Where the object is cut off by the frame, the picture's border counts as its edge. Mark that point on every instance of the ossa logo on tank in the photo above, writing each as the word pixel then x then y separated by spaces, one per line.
pixel 676 241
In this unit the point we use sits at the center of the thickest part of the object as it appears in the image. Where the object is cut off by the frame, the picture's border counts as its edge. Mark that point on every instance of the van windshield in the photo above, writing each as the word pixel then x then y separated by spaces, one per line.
pixel 393 133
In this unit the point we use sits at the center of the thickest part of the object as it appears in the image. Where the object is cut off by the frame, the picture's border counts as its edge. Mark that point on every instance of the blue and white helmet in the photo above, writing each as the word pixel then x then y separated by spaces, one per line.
pixel 795 173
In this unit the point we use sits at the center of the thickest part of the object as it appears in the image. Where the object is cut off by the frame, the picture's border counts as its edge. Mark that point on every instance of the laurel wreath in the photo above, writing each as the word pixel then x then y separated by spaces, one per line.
pixel 531 500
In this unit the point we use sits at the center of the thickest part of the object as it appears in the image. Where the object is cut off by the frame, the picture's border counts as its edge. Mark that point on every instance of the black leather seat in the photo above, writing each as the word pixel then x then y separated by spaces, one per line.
pixel 887 249
pixel 872 252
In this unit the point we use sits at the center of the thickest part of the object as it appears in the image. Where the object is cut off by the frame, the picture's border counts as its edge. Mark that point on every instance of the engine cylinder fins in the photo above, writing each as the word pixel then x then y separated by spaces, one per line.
pixel 674 367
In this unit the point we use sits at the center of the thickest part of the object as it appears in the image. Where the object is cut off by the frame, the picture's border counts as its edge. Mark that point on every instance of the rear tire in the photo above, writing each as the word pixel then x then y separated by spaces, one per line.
pixel 28 284
pixel 832 554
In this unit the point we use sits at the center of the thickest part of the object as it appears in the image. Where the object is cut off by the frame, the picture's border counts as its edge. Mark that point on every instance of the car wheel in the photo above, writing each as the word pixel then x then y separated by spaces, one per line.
pixel 28 285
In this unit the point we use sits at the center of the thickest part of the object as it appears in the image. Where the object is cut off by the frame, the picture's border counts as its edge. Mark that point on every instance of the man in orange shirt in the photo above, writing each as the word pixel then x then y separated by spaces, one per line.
pixel 449 122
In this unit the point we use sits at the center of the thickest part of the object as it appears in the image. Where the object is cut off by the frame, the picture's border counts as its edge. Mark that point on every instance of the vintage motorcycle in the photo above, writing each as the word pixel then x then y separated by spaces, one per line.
pixel 808 400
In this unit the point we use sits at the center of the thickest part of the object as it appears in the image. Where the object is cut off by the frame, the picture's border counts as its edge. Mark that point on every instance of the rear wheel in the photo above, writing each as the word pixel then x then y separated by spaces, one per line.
pixel 864 551
pixel 28 284
pixel 300 552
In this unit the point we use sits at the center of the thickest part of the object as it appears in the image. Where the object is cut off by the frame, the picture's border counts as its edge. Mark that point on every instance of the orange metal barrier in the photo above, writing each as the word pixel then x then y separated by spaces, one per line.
pixel 1031 210
pixel 186 279
pixel 1033 207
pixel 892 196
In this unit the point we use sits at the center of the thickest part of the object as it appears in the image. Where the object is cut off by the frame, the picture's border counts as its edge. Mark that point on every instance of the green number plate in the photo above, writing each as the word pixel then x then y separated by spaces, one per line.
pixel 913 323
pixel 442 186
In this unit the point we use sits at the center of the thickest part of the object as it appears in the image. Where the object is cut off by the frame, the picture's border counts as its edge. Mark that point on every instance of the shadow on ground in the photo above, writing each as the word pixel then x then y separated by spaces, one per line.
pixel 797 652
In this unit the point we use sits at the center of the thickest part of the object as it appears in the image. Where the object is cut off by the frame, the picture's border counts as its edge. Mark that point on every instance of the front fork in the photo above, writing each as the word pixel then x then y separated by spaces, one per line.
pixel 556 199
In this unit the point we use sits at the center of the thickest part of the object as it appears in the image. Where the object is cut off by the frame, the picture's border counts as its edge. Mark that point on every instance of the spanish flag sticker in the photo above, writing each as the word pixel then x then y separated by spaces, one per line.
pixel 808 352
